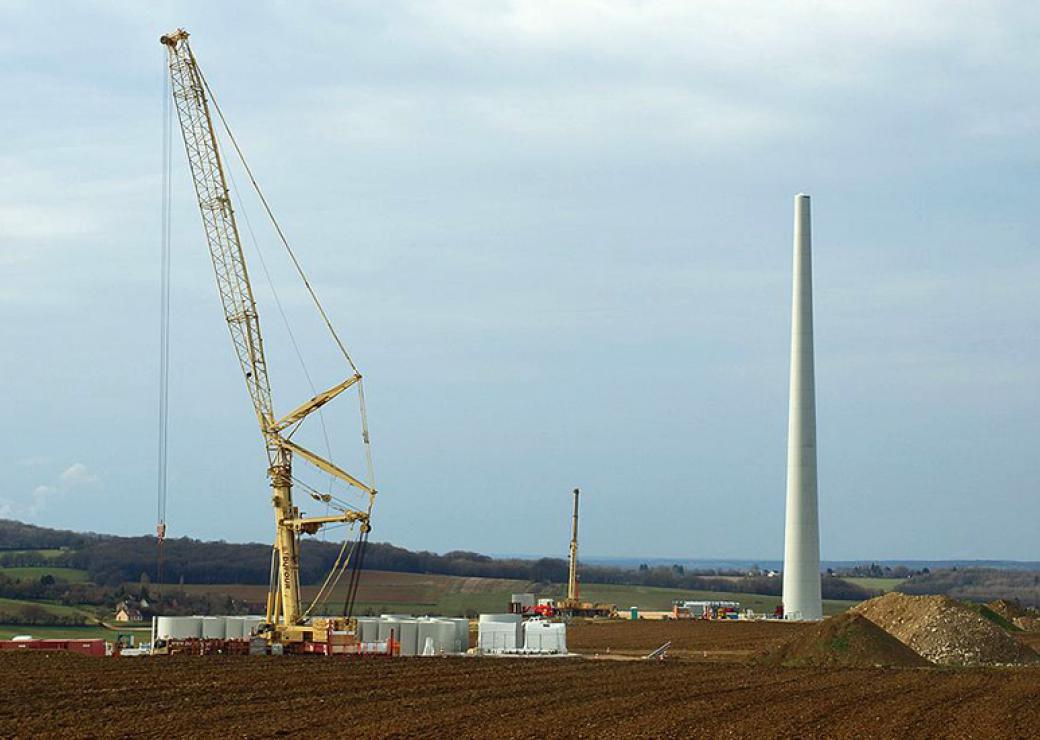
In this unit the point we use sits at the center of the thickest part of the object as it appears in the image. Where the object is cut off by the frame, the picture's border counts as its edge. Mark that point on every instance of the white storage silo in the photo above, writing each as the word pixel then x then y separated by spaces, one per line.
pixel 250 623
pixel 367 629
pixel 386 625
pixel 461 634
pixel 430 630
pixel 233 628
pixel 213 628
pixel 447 636
pixel 409 638
pixel 178 628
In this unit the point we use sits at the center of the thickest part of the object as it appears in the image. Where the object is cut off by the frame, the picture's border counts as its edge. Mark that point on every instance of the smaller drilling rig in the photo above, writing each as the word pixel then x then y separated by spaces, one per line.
pixel 573 606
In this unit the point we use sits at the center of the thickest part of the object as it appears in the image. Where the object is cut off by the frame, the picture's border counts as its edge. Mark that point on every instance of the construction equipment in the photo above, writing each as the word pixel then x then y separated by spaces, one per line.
pixel 286 622
pixel 573 606
pixel 685 609
pixel 572 573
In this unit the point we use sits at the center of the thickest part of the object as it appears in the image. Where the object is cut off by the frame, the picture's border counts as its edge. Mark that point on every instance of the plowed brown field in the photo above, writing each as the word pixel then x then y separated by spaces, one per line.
pixel 54 695
pixel 689 637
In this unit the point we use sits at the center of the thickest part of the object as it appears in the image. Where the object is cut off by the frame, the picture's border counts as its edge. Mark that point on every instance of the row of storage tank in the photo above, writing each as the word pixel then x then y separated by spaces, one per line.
pixel 496 633
pixel 508 633
pixel 204 628
pixel 417 635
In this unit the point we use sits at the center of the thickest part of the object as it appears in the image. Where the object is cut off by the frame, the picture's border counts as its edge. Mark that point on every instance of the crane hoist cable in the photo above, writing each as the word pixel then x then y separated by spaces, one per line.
pixel 365 436
pixel 285 321
pixel 274 222
pixel 162 456
pixel 355 575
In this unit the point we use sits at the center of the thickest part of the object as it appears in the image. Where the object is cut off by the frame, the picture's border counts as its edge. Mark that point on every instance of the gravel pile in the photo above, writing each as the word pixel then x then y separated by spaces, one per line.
pixel 1023 618
pixel 945 631
pixel 848 640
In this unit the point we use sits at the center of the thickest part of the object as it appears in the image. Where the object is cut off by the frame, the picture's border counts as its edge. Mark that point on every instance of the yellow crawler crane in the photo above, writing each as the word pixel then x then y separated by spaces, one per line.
pixel 287 621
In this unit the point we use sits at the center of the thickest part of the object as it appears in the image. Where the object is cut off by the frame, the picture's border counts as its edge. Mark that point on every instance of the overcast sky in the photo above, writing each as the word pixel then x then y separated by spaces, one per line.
pixel 557 238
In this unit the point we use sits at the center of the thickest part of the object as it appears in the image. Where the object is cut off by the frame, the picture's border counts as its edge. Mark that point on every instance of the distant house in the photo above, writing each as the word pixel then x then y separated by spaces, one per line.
pixel 127 613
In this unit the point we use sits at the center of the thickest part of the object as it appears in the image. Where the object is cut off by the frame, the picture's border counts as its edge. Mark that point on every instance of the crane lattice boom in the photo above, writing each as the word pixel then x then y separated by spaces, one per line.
pixel 218 220
pixel 190 95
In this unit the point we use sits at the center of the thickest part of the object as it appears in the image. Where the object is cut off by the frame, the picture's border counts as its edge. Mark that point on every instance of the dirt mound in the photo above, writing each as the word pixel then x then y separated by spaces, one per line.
pixel 848 640
pixel 944 631
pixel 1018 615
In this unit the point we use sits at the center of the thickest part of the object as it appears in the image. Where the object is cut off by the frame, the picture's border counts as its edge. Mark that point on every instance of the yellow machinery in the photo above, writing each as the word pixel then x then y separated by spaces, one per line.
pixel 287 621
pixel 572 574
pixel 572 606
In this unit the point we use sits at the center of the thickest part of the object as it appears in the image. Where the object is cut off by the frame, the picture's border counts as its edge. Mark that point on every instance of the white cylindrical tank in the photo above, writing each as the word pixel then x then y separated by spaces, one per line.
pixel 249 623
pixel 233 627
pixel 429 629
pixel 213 628
pixel 409 638
pixel 388 625
pixel 368 629
pixel 447 637
pixel 461 634
pixel 178 628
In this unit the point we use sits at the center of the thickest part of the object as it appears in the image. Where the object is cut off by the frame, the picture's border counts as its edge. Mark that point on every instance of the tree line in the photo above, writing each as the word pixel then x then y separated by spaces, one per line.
pixel 112 560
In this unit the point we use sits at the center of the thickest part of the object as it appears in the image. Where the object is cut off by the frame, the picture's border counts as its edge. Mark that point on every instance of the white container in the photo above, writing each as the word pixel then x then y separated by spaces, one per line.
pixel 525 601
pixel 388 625
pixel 447 637
pixel 213 628
pixel 442 634
pixel 461 634
pixel 368 629
pixel 545 637
pixel 178 628
pixel 409 638
pixel 498 632
pixel 496 636
pixel 233 627
pixel 249 624
pixel 503 618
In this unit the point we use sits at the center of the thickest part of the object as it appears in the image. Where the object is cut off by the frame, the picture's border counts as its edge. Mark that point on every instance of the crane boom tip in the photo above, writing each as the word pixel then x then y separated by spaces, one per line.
pixel 172 39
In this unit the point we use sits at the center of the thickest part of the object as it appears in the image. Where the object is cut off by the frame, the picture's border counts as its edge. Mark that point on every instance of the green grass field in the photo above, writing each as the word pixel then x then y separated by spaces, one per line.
pixel 7 631
pixel 50 554
pixel 35 573
pixel 59 610
pixel 884 585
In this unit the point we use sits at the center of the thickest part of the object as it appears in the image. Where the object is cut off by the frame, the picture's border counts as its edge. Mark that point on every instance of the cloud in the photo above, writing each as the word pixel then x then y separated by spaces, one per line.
pixel 75 479
pixel 76 476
